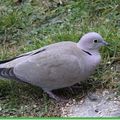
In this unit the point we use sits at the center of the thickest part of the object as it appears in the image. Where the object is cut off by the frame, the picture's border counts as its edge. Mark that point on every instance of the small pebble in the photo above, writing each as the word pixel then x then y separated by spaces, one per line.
pixel 96 110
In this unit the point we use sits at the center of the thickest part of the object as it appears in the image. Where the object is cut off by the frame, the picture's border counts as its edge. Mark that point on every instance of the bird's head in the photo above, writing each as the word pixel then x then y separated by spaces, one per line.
pixel 91 41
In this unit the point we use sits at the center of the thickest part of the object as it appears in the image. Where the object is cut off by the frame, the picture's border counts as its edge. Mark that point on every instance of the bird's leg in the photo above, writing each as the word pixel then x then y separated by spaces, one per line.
pixel 52 95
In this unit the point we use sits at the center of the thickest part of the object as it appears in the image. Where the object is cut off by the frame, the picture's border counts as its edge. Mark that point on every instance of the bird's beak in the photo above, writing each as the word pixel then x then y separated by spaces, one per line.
pixel 105 43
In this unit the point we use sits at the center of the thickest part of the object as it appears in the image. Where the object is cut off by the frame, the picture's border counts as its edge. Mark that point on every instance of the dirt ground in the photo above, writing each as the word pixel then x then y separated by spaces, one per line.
pixel 98 104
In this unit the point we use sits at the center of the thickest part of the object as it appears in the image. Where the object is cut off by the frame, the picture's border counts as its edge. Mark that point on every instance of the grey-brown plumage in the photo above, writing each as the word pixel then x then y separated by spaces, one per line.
pixel 57 65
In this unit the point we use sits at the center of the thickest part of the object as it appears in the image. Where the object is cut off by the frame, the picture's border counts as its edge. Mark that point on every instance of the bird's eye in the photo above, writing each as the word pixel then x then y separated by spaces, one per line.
pixel 95 41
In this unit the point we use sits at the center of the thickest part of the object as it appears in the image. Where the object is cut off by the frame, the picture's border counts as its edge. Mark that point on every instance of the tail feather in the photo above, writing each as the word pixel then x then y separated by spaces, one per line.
pixel 7 73
pixel 5 61
pixel 8 60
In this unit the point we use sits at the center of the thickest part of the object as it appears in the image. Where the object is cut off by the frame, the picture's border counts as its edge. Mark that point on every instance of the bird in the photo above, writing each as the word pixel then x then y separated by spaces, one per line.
pixel 57 65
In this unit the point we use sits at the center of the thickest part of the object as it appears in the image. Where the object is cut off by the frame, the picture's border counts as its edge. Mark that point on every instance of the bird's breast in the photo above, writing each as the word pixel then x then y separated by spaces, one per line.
pixel 90 63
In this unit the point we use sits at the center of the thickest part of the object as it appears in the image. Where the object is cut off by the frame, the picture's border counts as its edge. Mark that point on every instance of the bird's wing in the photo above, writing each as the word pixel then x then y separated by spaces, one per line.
pixel 49 71
pixel 59 65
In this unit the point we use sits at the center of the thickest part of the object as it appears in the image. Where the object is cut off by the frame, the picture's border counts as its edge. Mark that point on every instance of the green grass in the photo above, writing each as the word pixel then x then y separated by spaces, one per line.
pixel 33 23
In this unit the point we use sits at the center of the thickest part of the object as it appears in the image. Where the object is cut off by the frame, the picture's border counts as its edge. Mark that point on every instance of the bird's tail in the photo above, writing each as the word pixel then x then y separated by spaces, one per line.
pixel 7 73
pixel 5 61
pixel 7 66
pixel 6 70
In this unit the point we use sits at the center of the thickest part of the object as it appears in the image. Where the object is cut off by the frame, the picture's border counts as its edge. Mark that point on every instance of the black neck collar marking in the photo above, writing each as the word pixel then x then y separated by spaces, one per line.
pixel 86 52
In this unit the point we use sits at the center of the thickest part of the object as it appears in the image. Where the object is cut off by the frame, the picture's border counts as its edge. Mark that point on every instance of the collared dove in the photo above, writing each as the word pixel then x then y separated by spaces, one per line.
pixel 57 65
